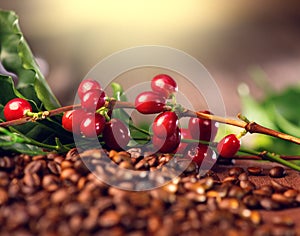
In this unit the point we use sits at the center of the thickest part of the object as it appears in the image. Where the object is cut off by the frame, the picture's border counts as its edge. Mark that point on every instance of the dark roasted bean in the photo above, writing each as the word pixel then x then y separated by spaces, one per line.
pixel 254 170
pixel 278 187
pixel 269 204
pixel 109 219
pixel 34 167
pixel 277 172
pixel 3 196
pixel 280 198
pixel 247 185
pixel 243 176
pixel 54 168
pixel 50 182
pixel 235 171
pixel 290 193
pixel 251 201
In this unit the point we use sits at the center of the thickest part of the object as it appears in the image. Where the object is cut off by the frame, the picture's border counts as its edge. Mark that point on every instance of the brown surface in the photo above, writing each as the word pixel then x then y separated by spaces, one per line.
pixel 291 179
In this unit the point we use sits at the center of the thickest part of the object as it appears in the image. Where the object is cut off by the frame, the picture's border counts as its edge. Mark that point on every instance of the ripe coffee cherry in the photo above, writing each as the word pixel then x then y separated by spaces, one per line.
pixel 92 100
pixel 116 134
pixel 87 85
pixel 16 108
pixel 185 134
pixel 165 124
pixel 150 102
pixel 228 146
pixel 71 120
pixel 168 144
pixel 92 125
pixel 203 129
pixel 197 152
pixel 164 84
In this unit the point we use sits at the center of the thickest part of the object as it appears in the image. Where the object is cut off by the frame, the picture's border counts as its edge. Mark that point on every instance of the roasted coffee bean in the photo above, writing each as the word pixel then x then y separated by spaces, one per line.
pixel 254 170
pixel 243 176
pixel 81 168
pixel 6 162
pixel 269 204
pixel 69 174
pixel 34 167
pixel 66 164
pixel 251 201
pixel 3 196
pixel 54 168
pixel 290 193
pixel 39 157
pixel 4 179
pixel 32 180
pixel 277 172
pixel 236 192
pixel 231 179
pixel 229 203
pixel 280 198
pixel 247 185
pixel 278 187
pixel 109 219
pixel 59 196
pixel 262 192
pixel 50 182
pixel 235 171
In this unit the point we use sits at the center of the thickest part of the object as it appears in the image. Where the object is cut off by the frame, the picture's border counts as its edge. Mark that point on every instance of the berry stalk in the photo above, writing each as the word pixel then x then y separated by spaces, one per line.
pixel 250 127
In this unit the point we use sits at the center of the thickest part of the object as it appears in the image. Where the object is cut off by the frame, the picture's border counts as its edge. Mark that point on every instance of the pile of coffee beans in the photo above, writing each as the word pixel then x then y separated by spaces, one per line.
pixel 59 195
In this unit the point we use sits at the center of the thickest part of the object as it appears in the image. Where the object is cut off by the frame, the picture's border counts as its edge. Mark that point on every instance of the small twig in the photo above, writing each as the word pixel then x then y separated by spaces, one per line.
pixel 250 127
pixel 45 115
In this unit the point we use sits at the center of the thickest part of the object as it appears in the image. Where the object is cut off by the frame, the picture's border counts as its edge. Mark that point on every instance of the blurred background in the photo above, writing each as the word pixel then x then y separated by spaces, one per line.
pixel 227 37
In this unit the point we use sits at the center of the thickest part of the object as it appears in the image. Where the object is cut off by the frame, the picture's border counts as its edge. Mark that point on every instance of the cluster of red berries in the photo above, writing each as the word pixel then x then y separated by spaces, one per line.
pixel 166 132
pixel 90 121
pixel 93 119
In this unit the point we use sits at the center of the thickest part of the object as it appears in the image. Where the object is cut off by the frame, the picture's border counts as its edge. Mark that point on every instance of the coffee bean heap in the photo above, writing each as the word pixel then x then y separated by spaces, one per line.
pixel 58 195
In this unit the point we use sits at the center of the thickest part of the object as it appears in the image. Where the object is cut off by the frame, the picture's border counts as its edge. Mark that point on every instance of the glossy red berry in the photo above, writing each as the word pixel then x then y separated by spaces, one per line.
pixel 150 102
pixel 185 134
pixel 71 120
pixel 92 125
pixel 203 129
pixel 168 144
pixel 92 100
pixel 201 154
pixel 228 146
pixel 116 134
pixel 87 85
pixel 164 84
pixel 165 124
pixel 16 108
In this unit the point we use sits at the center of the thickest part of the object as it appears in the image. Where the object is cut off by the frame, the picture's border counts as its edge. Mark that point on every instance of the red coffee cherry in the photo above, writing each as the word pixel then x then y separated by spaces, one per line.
pixel 185 134
pixel 71 120
pixel 149 102
pixel 165 124
pixel 16 109
pixel 116 134
pixel 199 153
pixel 87 85
pixel 168 144
pixel 228 146
pixel 92 100
pixel 203 129
pixel 164 84
pixel 92 125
